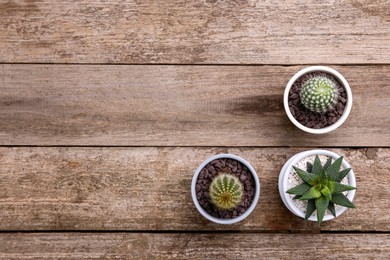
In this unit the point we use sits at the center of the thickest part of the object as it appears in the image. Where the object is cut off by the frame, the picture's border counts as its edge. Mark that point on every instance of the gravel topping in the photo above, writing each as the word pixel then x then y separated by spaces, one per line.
pixel 229 166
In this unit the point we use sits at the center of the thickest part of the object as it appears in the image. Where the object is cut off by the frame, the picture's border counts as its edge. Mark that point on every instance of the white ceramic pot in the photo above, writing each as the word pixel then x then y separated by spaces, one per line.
pixel 287 169
pixel 342 81
pixel 251 207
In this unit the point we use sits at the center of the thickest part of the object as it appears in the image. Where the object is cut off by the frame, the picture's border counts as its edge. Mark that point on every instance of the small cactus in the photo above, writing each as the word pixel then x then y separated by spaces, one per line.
pixel 226 191
pixel 319 93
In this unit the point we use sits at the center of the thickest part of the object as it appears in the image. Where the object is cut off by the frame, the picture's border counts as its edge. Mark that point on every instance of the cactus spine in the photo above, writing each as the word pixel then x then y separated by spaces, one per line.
pixel 226 191
pixel 319 94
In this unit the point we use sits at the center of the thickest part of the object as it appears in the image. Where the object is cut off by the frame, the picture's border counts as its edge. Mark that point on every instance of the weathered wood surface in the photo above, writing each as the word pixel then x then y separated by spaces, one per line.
pixel 176 106
pixel 202 31
pixel 148 188
pixel 193 246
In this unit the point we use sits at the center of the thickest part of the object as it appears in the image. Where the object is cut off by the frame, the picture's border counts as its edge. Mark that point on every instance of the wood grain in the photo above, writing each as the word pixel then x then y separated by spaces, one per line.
pixel 195 32
pixel 193 246
pixel 148 188
pixel 176 106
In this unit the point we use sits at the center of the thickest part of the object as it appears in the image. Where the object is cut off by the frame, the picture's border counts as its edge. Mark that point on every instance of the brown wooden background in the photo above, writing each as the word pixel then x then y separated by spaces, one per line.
pixel 108 107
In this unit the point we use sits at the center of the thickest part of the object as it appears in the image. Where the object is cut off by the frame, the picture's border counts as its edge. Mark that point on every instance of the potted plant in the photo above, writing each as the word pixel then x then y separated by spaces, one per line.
pixel 317 185
pixel 225 189
pixel 317 99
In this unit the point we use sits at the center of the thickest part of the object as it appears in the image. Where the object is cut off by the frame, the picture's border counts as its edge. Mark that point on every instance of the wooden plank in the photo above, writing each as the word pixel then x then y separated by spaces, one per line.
pixel 196 32
pixel 193 246
pixel 148 188
pixel 176 106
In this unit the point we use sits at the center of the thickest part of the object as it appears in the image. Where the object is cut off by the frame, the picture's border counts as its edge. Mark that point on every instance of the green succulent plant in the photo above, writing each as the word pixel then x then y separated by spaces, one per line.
pixel 319 93
pixel 226 191
pixel 321 187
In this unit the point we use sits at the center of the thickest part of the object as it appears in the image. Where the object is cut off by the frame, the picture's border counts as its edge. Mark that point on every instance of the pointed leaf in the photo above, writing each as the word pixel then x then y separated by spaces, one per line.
pixel 321 206
pixel 331 185
pixel 317 167
pixel 311 207
pixel 297 197
pixel 313 193
pixel 342 174
pixel 336 187
pixel 328 163
pixel 326 192
pixel 309 178
pixel 332 209
pixel 333 170
pixel 341 199
pixel 322 175
pixel 342 187
pixel 309 167
pixel 299 189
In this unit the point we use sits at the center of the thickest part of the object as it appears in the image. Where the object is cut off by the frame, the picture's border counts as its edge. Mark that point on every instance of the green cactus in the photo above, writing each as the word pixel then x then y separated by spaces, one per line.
pixel 319 93
pixel 321 187
pixel 226 191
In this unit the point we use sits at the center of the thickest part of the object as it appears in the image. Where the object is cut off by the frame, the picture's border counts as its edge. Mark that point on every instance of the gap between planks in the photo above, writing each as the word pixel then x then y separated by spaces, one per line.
pixel 280 232
pixel 199 64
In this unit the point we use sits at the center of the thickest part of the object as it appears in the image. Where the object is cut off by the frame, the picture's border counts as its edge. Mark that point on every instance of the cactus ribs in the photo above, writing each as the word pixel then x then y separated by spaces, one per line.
pixel 225 166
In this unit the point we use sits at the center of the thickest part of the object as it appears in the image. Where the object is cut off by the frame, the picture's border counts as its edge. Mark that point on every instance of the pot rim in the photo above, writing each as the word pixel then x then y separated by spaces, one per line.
pixel 343 82
pixel 286 170
pixel 248 210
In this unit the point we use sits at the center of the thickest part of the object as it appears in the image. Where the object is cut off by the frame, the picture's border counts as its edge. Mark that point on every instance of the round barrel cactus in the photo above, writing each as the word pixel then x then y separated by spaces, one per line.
pixel 319 93
pixel 226 191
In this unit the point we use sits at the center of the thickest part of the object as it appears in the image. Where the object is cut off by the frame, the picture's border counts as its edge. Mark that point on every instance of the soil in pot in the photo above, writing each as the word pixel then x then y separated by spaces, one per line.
pixel 312 119
pixel 228 166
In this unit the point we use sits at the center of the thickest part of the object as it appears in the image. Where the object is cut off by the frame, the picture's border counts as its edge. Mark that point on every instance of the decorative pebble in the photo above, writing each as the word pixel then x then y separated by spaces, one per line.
pixel 312 119
pixel 233 167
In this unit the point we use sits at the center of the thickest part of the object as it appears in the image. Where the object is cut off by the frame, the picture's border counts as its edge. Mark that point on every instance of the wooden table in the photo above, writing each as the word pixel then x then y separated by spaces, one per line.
pixel 108 107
